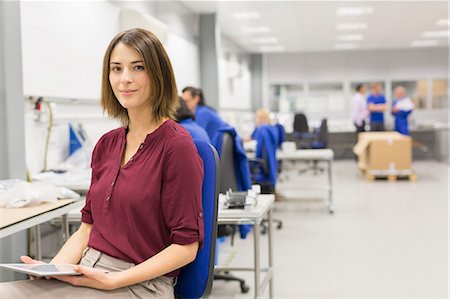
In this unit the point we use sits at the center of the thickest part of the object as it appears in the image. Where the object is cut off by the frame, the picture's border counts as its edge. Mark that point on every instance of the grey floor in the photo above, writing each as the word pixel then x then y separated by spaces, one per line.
pixel 385 240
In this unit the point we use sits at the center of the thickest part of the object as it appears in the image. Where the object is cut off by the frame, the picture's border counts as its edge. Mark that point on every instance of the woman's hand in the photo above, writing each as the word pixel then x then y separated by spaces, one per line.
pixel 92 278
pixel 28 260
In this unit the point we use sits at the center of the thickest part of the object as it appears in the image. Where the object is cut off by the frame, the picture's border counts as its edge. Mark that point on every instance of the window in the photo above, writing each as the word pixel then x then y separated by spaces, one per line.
pixel 440 94
pixel 326 97
pixel 287 98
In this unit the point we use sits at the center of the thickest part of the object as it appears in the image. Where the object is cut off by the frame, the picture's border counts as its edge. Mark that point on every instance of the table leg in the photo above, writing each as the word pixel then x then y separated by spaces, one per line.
pixel 256 233
pixel 330 187
pixel 65 227
pixel 37 242
pixel 270 239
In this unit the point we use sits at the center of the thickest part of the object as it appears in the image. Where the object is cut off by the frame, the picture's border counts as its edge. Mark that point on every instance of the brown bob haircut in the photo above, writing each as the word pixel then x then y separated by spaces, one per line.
pixel 163 90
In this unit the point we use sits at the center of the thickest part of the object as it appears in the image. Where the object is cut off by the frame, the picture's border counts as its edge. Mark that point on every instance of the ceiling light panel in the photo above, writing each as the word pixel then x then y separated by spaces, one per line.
pixel 354 11
pixel 265 40
pixel 443 22
pixel 424 43
pixel 271 49
pixel 346 46
pixel 349 37
pixel 434 34
pixel 351 26
pixel 246 15
pixel 253 30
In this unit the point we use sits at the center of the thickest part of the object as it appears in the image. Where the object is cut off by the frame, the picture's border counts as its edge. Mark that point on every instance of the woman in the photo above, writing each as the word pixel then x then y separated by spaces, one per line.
pixel 142 220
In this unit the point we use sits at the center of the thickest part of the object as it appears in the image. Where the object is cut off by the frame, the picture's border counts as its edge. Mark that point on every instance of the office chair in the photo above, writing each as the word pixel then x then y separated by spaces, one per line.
pixel 319 140
pixel 195 279
pixel 265 166
pixel 301 133
pixel 228 181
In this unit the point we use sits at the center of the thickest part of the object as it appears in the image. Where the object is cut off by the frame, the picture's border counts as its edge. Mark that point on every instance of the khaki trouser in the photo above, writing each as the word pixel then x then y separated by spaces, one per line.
pixel 161 287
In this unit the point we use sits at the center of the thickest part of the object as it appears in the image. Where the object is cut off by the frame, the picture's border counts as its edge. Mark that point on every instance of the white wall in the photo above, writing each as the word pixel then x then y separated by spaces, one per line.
pixel 234 77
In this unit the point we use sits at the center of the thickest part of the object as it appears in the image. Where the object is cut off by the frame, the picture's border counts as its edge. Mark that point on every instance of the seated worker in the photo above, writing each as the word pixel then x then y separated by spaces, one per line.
pixel 142 220
pixel 262 117
pixel 186 118
pixel 376 103
pixel 205 116
pixel 402 107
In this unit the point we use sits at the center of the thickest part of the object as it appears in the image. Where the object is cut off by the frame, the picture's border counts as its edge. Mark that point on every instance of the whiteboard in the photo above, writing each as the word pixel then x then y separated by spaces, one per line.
pixel 63 44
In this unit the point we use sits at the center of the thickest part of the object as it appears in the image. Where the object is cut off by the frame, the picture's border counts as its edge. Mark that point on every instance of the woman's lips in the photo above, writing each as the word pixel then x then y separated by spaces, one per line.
pixel 127 92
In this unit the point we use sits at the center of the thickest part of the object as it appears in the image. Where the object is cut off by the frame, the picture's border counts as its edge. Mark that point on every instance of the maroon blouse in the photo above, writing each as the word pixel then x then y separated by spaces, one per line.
pixel 151 202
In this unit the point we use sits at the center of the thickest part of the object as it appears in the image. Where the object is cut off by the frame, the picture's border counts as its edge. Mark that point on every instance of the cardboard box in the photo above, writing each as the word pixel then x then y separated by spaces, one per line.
pixel 384 152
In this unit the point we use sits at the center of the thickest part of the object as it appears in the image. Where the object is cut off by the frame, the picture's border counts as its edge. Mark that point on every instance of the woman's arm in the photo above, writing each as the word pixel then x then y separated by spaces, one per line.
pixel 72 250
pixel 171 258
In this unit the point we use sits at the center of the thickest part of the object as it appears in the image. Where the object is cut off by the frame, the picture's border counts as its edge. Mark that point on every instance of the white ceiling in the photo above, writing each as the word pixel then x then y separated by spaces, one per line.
pixel 310 26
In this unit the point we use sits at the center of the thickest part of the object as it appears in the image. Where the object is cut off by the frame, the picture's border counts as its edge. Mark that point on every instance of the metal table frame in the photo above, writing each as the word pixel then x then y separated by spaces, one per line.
pixel 254 218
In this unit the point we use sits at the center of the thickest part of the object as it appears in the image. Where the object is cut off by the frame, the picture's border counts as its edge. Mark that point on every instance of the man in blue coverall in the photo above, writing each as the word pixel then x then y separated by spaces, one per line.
pixel 402 107
pixel 376 103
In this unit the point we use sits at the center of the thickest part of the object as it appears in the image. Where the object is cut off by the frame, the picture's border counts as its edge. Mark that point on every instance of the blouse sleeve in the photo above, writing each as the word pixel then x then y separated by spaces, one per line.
pixel 181 192
pixel 86 214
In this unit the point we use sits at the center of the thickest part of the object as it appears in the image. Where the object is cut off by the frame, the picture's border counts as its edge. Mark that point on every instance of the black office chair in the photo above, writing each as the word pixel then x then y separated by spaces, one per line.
pixel 301 134
pixel 300 123
pixel 319 140
pixel 228 181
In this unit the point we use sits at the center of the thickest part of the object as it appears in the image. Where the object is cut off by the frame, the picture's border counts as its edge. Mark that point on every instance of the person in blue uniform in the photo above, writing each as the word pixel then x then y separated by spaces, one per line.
pixel 186 118
pixel 376 103
pixel 206 117
pixel 402 107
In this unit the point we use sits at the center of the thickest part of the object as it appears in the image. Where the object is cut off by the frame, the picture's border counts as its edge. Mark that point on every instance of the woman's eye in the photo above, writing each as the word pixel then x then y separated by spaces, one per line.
pixel 139 68
pixel 115 69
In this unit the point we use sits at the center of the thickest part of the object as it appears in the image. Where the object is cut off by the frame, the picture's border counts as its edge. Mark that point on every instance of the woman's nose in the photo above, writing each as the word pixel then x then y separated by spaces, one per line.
pixel 126 77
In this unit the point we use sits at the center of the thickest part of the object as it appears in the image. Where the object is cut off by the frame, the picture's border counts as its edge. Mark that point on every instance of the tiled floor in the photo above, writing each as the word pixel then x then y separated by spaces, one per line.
pixel 385 240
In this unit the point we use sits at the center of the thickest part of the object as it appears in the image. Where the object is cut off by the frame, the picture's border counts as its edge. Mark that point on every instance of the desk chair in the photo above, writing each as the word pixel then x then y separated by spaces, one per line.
pixel 319 140
pixel 228 181
pixel 195 280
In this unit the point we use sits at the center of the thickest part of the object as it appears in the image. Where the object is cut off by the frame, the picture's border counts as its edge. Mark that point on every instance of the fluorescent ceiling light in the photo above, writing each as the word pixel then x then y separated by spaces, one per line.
pixel 351 26
pixel 271 49
pixel 265 40
pixel 260 29
pixel 350 37
pixel 433 34
pixel 346 46
pixel 424 43
pixel 354 11
pixel 246 15
pixel 443 22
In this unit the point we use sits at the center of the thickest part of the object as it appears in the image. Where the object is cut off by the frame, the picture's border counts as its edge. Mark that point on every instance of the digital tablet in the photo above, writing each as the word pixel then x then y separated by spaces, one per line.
pixel 42 269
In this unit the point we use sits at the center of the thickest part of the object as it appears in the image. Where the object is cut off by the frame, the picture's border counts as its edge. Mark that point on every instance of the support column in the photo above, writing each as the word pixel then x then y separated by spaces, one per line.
pixel 209 64
pixel 12 125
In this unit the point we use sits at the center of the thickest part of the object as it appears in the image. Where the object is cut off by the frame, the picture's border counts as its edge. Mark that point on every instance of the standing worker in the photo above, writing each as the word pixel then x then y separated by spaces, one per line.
pixel 401 109
pixel 359 108
pixel 376 102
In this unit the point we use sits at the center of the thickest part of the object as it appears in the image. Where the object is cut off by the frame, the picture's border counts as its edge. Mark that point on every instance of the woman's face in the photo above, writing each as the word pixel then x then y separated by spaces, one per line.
pixel 128 77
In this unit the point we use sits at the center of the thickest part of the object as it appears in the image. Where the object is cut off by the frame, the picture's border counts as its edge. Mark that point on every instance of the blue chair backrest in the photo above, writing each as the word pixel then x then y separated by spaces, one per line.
pixel 195 280
pixel 266 148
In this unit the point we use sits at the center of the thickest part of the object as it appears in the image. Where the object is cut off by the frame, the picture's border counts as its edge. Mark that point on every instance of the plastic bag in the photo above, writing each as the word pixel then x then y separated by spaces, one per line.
pixel 17 194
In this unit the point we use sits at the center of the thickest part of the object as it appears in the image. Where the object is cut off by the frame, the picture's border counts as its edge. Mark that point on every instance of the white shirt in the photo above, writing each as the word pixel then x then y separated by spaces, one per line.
pixel 359 108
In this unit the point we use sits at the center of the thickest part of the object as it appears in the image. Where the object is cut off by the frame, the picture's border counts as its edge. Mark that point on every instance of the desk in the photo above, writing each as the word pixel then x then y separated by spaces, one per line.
pixel 15 220
pixel 313 155
pixel 253 216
